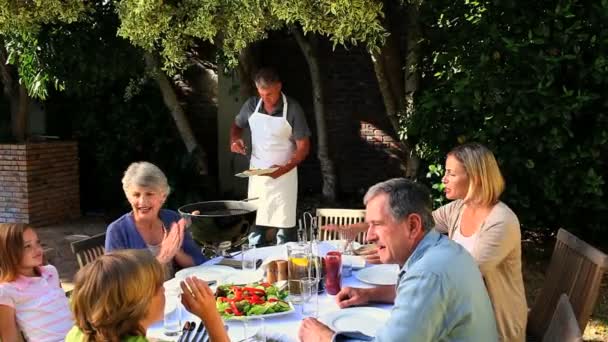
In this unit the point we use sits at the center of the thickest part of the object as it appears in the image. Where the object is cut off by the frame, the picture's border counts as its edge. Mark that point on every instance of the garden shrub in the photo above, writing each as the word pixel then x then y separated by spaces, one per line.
pixel 530 81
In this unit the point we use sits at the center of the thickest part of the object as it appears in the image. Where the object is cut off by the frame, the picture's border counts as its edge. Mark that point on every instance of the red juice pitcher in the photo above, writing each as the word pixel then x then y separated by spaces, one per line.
pixel 333 272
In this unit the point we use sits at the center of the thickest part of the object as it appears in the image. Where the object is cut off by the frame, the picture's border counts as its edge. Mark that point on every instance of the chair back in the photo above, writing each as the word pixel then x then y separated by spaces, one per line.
pixel 89 249
pixel 563 326
pixel 340 217
pixel 48 256
pixel 576 269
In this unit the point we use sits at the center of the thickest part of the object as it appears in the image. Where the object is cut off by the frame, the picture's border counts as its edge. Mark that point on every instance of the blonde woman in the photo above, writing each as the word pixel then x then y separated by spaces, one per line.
pixel 486 228
pixel 148 226
pixel 119 295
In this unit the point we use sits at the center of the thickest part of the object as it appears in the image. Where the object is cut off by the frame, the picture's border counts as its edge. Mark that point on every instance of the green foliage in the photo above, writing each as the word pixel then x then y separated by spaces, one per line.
pixel 112 129
pixel 528 80
pixel 344 22
pixel 434 177
pixel 174 27
pixel 28 16
pixel 24 51
pixel 20 24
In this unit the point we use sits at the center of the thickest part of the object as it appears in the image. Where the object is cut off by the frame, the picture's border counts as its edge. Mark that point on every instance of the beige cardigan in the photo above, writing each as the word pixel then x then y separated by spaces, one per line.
pixel 497 250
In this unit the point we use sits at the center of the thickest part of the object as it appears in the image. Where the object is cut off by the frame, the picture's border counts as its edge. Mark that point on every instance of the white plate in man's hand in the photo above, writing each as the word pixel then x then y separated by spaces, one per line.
pixel 366 320
pixel 256 172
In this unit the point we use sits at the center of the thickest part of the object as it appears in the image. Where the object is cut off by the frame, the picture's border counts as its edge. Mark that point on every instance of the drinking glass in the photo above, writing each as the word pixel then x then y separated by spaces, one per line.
pixel 333 272
pixel 310 297
pixel 298 259
pixel 172 323
pixel 346 242
pixel 318 272
pixel 347 268
pixel 248 329
pixel 248 259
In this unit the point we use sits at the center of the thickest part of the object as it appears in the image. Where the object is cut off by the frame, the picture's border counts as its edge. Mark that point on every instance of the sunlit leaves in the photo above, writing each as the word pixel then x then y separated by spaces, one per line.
pixel 20 23
pixel 173 27
pixel 345 22
pixel 27 16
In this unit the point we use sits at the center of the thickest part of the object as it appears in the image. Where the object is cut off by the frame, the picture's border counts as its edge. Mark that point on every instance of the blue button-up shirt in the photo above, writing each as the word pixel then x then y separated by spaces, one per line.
pixel 440 297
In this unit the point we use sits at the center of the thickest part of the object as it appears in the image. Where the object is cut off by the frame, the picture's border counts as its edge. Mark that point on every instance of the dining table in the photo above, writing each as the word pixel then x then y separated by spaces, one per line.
pixel 281 328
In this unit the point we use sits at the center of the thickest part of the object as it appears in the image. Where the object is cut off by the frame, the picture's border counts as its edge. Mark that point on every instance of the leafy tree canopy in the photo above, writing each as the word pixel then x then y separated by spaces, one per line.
pixel 26 16
pixel 20 24
pixel 172 27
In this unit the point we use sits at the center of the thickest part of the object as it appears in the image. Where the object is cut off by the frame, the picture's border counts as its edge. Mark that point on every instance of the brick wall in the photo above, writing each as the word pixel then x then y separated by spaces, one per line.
pixel 39 183
pixel 360 137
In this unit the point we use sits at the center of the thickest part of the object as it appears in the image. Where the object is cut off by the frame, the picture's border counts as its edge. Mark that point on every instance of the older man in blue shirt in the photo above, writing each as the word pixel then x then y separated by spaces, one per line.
pixel 440 295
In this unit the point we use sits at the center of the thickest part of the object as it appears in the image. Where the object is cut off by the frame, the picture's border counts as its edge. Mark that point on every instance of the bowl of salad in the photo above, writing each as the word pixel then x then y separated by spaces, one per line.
pixel 255 299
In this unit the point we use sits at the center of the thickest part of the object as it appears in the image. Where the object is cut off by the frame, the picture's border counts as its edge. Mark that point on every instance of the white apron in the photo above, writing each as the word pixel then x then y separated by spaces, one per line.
pixel 271 145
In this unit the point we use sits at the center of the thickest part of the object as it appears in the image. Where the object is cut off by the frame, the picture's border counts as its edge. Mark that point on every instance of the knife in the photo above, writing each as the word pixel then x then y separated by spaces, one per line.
pixel 190 328
pixel 200 332
pixel 184 330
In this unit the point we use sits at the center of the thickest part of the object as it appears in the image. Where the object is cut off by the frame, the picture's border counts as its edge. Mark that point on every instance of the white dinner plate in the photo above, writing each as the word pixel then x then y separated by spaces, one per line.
pixel 243 277
pixel 339 244
pixel 379 274
pixel 366 320
pixel 256 172
pixel 206 272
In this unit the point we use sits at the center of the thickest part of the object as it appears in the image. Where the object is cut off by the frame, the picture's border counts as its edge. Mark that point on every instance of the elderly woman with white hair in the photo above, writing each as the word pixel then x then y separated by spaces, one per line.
pixel 147 226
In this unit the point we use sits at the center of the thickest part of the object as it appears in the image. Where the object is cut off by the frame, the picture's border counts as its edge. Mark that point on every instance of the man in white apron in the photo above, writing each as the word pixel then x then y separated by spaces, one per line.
pixel 279 138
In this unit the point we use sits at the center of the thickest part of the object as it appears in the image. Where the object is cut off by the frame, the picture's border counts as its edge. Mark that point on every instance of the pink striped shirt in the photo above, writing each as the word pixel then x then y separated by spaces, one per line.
pixel 41 307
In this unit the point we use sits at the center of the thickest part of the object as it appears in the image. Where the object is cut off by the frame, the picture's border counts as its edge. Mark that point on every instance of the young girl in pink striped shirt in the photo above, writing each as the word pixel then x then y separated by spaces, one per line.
pixel 31 299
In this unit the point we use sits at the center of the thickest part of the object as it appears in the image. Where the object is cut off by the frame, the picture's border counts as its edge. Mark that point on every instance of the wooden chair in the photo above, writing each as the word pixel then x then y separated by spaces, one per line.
pixel 576 269
pixel 563 326
pixel 340 217
pixel 89 249
pixel 48 256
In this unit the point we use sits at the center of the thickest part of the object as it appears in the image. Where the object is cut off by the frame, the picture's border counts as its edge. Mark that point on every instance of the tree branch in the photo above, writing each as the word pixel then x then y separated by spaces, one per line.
pixel 177 113
pixel 5 75
pixel 309 49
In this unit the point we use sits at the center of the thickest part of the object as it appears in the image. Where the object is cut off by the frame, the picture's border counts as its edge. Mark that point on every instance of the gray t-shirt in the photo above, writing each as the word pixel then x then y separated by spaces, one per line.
pixel 295 115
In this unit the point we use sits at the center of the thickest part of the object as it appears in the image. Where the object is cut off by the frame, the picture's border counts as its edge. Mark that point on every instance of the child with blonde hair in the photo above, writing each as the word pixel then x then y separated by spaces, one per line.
pixel 119 295
pixel 31 299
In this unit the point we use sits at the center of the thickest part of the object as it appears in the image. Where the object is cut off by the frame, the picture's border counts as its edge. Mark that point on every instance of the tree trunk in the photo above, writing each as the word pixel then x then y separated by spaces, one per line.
pixel 177 113
pixel 16 95
pixel 19 111
pixel 412 77
pixel 396 88
pixel 309 49
pixel 391 95
pixel 246 68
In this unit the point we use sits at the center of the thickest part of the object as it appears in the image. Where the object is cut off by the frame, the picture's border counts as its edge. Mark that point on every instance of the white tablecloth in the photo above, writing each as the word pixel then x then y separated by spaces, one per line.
pixel 283 328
